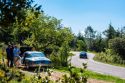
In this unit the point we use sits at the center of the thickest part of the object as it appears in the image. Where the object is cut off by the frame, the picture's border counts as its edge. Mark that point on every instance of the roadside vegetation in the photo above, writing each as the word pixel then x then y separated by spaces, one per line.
pixel 70 75
pixel 109 49
pixel 110 58
pixel 93 75
pixel 27 25
pixel 14 75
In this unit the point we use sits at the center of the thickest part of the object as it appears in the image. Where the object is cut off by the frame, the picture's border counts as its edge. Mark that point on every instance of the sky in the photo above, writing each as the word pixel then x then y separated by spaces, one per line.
pixel 78 14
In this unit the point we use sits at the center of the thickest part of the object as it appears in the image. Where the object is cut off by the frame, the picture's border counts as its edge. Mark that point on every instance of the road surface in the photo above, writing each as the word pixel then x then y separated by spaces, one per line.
pixel 98 66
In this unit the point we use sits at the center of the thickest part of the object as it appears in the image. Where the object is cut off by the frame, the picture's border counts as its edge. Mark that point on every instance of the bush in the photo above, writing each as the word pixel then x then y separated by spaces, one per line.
pixel 60 58
pixel 8 75
pixel 118 46
pixel 81 45
pixel 109 57
pixel 13 75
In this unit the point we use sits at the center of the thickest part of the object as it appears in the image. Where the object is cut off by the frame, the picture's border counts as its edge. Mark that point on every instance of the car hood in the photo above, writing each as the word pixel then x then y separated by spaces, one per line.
pixel 37 59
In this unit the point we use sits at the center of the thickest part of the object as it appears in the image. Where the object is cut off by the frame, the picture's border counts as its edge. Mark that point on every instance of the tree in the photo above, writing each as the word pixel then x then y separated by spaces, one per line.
pixel 89 35
pixel 64 54
pixel 80 36
pixel 5 35
pixel 80 42
pixel 41 32
pixel 122 32
pixel 99 43
pixel 110 33
pixel 10 10
pixel 22 30
pixel 81 45
pixel 118 46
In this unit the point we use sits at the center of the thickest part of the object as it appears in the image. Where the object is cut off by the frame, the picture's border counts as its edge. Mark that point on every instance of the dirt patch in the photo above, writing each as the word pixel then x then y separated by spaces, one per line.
pixel 56 75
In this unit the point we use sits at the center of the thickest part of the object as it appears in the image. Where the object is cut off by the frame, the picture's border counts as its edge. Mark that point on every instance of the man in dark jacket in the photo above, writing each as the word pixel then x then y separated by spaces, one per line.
pixel 8 55
pixel 9 52
pixel 12 56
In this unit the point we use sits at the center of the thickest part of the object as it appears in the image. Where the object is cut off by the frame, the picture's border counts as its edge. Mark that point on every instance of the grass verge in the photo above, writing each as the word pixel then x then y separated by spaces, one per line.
pixel 97 58
pixel 94 75
pixel 115 64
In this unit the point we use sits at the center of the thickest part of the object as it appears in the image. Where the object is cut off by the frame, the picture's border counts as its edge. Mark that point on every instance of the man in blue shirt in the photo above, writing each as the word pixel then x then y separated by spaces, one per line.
pixel 16 52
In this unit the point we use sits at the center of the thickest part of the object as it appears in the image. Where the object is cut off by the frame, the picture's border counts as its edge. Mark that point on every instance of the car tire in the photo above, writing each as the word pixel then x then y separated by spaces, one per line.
pixel 26 65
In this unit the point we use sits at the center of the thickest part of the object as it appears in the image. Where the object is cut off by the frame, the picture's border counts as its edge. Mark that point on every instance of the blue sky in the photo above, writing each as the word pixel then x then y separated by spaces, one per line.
pixel 78 14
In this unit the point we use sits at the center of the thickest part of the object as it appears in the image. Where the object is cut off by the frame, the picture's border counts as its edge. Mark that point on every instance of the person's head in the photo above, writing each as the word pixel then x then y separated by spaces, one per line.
pixel 15 46
pixel 9 46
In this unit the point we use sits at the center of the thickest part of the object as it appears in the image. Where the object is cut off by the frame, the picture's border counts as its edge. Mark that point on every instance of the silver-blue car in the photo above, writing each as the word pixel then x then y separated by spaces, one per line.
pixel 35 59
pixel 83 55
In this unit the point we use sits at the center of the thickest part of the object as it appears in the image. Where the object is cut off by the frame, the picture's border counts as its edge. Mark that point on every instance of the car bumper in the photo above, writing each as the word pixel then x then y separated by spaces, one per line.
pixel 83 57
pixel 39 65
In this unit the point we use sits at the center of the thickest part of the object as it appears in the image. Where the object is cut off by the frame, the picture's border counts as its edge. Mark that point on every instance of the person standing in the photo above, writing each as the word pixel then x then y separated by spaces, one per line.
pixel 16 52
pixel 8 55
pixel 12 56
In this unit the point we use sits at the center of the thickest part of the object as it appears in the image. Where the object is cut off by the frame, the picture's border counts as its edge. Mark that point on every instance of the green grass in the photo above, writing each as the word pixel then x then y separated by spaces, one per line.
pixel 96 58
pixel 115 64
pixel 105 77
pixel 0 52
pixel 95 75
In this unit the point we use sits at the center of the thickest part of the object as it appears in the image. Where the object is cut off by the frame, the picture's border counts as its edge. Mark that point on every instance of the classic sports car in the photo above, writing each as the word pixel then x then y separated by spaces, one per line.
pixel 83 55
pixel 35 58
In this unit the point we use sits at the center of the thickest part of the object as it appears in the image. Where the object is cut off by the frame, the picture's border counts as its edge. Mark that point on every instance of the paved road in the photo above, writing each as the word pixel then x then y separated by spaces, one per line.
pixel 98 66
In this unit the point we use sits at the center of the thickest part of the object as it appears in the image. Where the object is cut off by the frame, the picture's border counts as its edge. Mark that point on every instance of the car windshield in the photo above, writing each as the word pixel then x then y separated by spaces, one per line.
pixel 36 55
pixel 83 52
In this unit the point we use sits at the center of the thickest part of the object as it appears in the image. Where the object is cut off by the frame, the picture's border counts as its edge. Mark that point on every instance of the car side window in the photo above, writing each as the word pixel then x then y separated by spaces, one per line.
pixel 26 55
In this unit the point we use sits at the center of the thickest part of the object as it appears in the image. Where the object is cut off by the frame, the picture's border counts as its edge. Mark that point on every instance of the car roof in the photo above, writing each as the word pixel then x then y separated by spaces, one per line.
pixel 82 52
pixel 30 52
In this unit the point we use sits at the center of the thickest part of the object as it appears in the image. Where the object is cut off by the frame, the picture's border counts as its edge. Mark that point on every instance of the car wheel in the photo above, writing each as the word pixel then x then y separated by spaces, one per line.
pixel 26 65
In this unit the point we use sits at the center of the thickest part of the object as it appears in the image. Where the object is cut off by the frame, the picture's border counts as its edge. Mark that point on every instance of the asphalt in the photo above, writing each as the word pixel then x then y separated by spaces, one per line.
pixel 97 66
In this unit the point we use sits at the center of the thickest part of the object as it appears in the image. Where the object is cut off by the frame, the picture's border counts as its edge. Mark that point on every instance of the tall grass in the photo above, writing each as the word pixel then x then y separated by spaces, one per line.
pixel 109 57
pixel 94 75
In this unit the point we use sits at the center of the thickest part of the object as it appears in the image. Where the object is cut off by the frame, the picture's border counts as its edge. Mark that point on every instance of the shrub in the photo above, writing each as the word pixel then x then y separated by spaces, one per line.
pixel 10 74
pixel 109 57
pixel 118 46
pixel 60 58
pixel 81 45
pixel 13 75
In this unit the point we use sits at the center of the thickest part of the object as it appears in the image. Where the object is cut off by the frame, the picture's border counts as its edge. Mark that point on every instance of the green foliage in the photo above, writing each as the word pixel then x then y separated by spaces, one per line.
pixel 98 43
pixel 118 46
pixel 76 76
pixel 64 54
pixel 60 58
pixel 109 57
pixel 89 35
pixel 80 36
pixel 107 78
pixel 10 75
pixel 10 9
pixel 5 35
pixel 55 59
pixel 89 32
pixel 22 30
pixel 81 45
pixel 41 32
pixel 93 75
pixel 110 33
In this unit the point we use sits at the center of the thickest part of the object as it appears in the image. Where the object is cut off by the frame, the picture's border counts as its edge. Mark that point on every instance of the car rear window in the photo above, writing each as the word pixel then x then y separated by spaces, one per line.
pixel 36 55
